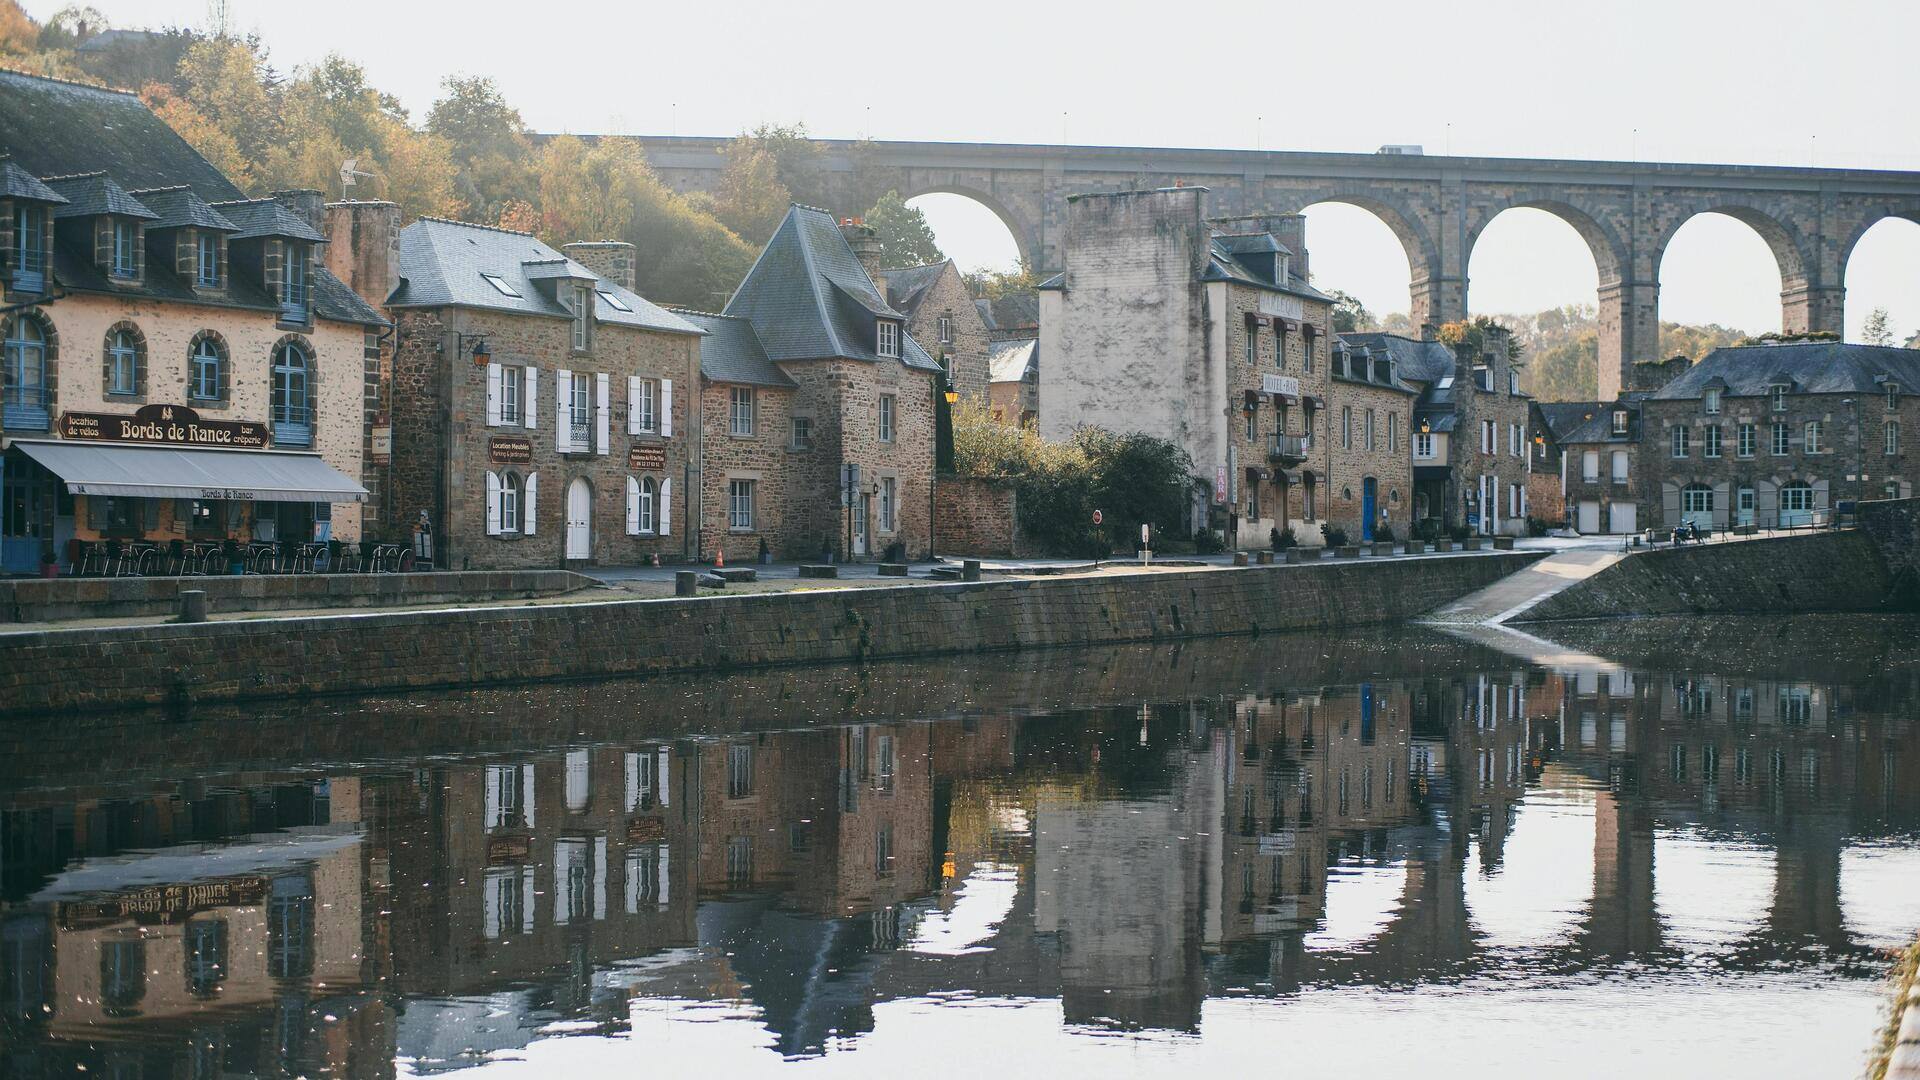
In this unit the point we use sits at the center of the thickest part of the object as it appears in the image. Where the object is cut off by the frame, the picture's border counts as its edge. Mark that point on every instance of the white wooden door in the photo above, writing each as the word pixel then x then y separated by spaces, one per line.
pixel 860 510
pixel 1589 518
pixel 579 520
pixel 1625 517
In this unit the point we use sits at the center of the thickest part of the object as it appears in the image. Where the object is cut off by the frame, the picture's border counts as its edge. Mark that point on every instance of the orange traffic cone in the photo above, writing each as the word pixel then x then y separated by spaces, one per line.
pixel 720 558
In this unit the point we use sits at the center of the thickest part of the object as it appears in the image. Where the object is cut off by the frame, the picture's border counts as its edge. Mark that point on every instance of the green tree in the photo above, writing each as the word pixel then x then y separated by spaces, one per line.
pixel 750 199
pixel 1349 314
pixel 905 237
pixel 994 284
pixel 488 142
pixel 797 160
pixel 1878 329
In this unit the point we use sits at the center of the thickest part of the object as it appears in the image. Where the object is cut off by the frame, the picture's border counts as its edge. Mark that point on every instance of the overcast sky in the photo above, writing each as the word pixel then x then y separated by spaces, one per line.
pixel 1748 81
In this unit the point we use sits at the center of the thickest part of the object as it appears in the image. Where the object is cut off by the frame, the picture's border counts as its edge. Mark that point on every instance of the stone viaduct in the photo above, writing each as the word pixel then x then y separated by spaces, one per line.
pixel 1627 212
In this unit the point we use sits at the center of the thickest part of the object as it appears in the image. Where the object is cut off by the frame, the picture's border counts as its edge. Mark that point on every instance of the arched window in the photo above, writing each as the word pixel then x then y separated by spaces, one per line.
pixel 292 408
pixel 125 360
pixel 510 502
pixel 1796 504
pixel 27 403
pixel 207 368
pixel 646 504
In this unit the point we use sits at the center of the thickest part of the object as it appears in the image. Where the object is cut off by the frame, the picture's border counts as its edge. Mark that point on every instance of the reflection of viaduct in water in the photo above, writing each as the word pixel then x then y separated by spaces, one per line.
pixel 1627 213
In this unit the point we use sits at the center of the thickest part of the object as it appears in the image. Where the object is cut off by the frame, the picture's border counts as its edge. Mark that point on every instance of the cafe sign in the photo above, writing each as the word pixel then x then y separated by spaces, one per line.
pixel 510 450
pixel 647 459
pixel 170 425
pixel 157 905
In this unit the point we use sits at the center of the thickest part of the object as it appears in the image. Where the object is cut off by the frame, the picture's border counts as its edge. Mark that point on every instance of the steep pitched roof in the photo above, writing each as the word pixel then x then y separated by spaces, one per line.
pixel 909 285
pixel 1223 266
pixel 180 207
pixel 88 194
pixel 444 263
pixel 266 217
pixel 1813 367
pixel 731 353
pixel 1417 361
pixel 18 183
pixel 1561 417
pixel 1012 361
pixel 808 296
pixel 1595 424
pixel 52 127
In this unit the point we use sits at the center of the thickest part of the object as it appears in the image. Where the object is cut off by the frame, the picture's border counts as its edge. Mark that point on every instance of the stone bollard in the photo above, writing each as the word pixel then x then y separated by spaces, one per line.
pixel 970 570
pixel 1266 558
pixel 193 605
pixel 1239 558
pixel 686 583
pixel 1295 556
pixel 892 569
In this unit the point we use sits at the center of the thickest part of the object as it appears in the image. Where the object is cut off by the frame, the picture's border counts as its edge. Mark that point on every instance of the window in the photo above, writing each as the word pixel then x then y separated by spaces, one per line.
pixel 887 503
pixel 739 770
pixel 1893 396
pixel 740 416
pixel 1513 382
pixel 1813 437
pixel 1890 435
pixel 1306 349
pixel 510 378
pixel 206 946
pixel 204 379
pixel 740 504
pixel 1682 437
pixel 206 248
pixel 27 400
pixel 293 303
pixel 500 285
pixel 1489 437
pixel 1710 401
pixel 1590 466
pixel 1393 432
pixel 126 262
pixel 1779 439
pixel 645 509
pixel 1346 428
pixel 739 860
pixel 1710 442
pixel 887 338
pixel 1779 391
pixel 1619 421
pixel 1252 413
pixel 1514 441
pixel 612 301
pixel 581 308
pixel 802 433
pixel 1620 460
pixel 946 329
pixel 886 417
pixel 123 362
pixel 292 412
pixel 1369 429
pixel 29 248
pixel 1423 445
pixel 883 849
pixel 646 415
pixel 580 409
pixel 1252 338
pixel 510 502
pixel 1744 441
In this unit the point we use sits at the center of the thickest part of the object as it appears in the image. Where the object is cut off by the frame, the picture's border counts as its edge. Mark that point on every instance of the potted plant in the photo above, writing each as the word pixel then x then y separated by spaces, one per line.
pixel 1284 539
pixel 1383 539
pixel 49 566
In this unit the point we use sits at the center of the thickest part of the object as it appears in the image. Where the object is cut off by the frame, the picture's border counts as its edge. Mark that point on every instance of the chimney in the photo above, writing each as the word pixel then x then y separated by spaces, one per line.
pixel 363 247
pixel 1654 374
pixel 1429 332
pixel 611 259
pixel 307 204
pixel 866 248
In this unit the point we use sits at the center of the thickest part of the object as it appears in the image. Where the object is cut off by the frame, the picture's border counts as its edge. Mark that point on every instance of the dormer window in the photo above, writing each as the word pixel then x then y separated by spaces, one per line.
pixel 1893 396
pixel 1483 378
pixel 126 259
pixel 294 295
pixel 580 303
pixel 29 247
pixel 1779 391
pixel 1710 401
pixel 1619 421
pixel 888 339
pixel 206 260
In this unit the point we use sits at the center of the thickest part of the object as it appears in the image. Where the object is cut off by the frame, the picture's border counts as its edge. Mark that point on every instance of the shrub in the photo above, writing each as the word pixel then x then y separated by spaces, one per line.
pixel 1383 534
pixel 1426 529
pixel 1284 539
pixel 1208 542
pixel 1458 533
pixel 1334 535
pixel 1536 526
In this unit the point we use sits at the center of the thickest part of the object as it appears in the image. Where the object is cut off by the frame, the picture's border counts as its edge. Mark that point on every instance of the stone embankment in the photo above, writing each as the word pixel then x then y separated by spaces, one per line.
pixel 33 600
pixel 84 669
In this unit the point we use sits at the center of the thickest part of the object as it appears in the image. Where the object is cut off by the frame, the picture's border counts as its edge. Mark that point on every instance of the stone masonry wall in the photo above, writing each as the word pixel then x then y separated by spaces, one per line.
pixel 268 658
pixel 38 600
pixel 967 352
pixel 767 458
pixel 977 517
pixel 1388 461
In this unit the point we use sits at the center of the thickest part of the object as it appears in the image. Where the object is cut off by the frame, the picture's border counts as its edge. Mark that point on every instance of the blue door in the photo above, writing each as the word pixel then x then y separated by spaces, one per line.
pixel 1366 508
pixel 22 516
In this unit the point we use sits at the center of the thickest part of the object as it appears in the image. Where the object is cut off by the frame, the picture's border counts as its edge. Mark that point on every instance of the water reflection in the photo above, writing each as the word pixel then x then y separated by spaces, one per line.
pixel 1139 836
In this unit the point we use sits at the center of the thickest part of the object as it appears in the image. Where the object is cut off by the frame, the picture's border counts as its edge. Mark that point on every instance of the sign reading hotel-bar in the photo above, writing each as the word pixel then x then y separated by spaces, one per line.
pixel 510 450
pixel 647 459
pixel 170 425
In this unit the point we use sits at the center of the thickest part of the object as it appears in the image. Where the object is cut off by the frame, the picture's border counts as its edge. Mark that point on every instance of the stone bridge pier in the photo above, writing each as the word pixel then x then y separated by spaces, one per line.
pixel 1626 212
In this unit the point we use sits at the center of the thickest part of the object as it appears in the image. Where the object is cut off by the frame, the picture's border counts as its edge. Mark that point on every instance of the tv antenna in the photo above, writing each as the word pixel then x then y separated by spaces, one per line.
pixel 348 171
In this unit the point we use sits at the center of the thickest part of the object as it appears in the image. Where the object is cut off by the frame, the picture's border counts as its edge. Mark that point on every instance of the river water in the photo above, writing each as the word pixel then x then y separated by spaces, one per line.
pixel 1639 850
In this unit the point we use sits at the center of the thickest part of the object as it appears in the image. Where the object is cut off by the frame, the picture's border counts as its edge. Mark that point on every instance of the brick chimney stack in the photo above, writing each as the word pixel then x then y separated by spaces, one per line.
pixel 1429 332
pixel 866 247
pixel 363 247
pixel 307 204
pixel 611 259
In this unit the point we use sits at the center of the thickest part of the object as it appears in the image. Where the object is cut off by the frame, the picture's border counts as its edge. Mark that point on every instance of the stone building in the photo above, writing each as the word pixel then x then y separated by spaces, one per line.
pixel 829 403
pixel 942 315
pixel 1369 478
pixel 1778 435
pixel 1203 333
pixel 179 368
pixel 1594 445
pixel 1470 430
pixel 532 395
pixel 1013 380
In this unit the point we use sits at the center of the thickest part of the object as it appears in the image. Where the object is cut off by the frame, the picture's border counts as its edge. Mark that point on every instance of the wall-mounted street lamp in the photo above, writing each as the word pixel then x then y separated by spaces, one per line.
pixel 479 349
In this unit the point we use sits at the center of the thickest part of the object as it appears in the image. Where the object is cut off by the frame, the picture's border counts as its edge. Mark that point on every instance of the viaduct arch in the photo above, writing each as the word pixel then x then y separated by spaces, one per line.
pixel 1437 206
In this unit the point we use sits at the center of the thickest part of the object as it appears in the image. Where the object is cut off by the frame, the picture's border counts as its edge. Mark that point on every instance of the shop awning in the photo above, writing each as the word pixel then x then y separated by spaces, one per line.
pixel 172 472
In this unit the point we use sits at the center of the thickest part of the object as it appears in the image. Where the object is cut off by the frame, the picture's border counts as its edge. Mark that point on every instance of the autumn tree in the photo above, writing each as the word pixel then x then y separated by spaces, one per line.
pixel 19 36
pixel 228 86
pixel 905 237
pixel 1349 314
pixel 488 141
pixel 201 133
pixel 750 199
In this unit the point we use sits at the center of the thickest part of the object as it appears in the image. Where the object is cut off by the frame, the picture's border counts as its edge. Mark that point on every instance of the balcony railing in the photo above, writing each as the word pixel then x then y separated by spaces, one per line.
pixel 582 439
pixel 26 408
pixel 1288 447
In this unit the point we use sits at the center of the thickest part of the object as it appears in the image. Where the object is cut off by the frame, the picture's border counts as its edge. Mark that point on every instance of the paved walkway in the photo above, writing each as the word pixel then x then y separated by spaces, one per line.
pixel 1570 562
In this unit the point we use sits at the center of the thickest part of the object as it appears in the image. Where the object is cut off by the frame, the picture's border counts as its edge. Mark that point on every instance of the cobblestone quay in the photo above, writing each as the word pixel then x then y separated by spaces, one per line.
pixel 231 661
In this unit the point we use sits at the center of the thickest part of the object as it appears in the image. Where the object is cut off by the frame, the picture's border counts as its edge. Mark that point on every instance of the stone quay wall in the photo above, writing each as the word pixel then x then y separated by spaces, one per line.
pixel 50 600
pixel 1829 571
pixel 978 517
pixel 90 669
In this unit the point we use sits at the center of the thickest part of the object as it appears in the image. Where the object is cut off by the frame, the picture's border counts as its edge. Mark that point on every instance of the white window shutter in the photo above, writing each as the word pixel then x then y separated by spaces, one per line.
pixel 531 408
pixel 562 406
pixel 633 404
pixel 666 408
pixel 633 507
pixel 530 496
pixel 660 794
pixel 665 511
pixel 493 394
pixel 600 388
pixel 493 504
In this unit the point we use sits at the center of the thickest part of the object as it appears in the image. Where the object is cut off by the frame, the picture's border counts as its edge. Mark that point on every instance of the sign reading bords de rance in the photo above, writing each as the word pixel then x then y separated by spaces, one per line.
pixel 173 425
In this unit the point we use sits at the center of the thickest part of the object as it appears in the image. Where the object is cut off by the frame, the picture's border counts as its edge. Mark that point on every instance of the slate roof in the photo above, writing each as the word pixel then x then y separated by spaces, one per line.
pixel 441 262
pixel 1393 382
pixel 1012 361
pixel 1416 361
pixel 1596 421
pixel 1814 367
pixel 1020 308
pixel 1561 417
pixel 731 353
pixel 808 297
pixel 88 194
pixel 179 207
pixel 1222 266
pixel 266 217
pixel 909 285
pixel 51 127
pixel 18 183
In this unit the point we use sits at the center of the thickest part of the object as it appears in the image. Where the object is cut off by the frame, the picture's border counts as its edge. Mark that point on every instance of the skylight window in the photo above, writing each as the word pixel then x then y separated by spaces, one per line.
pixel 500 284
pixel 613 301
